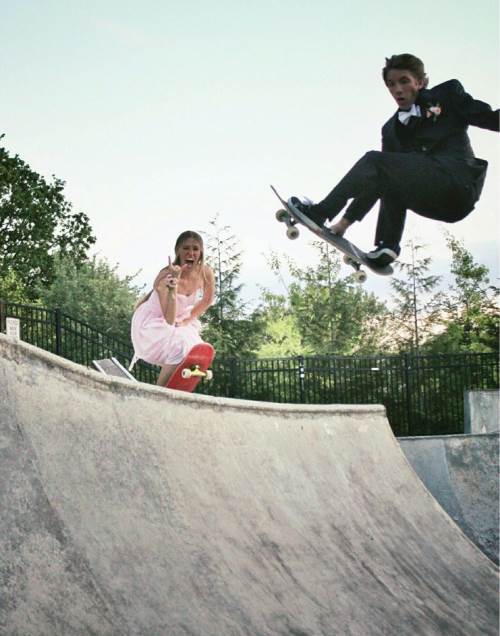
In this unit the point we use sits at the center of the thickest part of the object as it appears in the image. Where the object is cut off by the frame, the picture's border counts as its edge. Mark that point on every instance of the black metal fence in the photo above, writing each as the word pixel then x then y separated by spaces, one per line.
pixel 55 331
pixel 423 395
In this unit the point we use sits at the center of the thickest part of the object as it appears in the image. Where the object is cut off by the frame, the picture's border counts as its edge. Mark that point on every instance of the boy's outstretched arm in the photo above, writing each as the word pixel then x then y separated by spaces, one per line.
pixel 474 111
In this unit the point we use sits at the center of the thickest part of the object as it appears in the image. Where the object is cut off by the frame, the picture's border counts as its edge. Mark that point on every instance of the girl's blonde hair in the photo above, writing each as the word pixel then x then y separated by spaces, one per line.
pixel 184 236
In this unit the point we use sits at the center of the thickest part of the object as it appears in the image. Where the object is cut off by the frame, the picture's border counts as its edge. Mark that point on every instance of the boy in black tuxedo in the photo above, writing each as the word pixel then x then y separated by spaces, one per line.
pixel 426 164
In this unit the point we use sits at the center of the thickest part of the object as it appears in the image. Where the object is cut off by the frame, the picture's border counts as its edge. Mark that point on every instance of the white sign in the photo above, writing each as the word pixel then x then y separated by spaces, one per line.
pixel 13 327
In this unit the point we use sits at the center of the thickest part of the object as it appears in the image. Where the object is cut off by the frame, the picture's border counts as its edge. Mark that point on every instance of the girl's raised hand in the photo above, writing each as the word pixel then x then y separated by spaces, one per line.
pixel 160 279
pixel 173 272
pixel 168 276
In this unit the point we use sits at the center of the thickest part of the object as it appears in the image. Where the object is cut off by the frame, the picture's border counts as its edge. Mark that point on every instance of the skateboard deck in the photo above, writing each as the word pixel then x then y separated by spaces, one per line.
pixel 193 368
pixel 353 256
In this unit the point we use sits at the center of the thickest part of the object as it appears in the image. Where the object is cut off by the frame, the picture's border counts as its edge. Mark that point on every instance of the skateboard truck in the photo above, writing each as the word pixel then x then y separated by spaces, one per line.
pixel 292 232
pixel 196 372
pixel 360 275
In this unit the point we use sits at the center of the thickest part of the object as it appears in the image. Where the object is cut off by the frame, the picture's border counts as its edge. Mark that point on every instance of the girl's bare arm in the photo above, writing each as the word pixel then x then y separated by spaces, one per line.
pixel 166 286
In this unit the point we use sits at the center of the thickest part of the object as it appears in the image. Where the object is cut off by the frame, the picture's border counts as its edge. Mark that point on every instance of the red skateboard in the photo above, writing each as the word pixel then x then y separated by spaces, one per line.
pixel 193 368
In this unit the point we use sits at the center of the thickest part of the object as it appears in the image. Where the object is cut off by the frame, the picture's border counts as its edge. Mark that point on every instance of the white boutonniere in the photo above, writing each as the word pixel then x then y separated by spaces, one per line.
pixel 433 111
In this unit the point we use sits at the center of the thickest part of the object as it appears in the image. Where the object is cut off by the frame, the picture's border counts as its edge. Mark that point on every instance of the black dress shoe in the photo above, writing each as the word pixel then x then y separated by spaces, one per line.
pixel 383 255
pixel 307 208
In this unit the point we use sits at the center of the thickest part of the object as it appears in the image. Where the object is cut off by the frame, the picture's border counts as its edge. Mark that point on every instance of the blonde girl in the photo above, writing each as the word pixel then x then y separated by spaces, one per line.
pixel 165 323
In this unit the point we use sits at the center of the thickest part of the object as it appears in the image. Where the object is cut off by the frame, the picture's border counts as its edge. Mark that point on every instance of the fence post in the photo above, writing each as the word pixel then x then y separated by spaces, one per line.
pixel 233 377
pixel 57 317
pixel 301 379
pixel 3 314
pixel 406 358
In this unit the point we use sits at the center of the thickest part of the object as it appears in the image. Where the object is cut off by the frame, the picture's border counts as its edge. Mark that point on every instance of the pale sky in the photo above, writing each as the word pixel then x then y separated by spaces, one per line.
pixel 160 114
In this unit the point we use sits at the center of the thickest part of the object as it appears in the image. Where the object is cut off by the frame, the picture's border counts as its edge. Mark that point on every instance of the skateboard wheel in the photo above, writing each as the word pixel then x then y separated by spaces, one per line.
pixel 282 215
pixel 209 375
pixel 349 261
pixel 186 373
pixel 292 233
pixel 360 277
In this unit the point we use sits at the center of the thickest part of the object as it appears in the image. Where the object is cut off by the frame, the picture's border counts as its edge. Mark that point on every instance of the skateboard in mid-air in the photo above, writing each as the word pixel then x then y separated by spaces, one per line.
pixel 193 368
pixel 353 256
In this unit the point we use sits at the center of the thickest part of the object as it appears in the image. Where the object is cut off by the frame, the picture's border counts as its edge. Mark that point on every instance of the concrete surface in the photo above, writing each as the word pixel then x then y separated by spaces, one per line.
pixel 462 473
pixel 129 509
pixel 481 411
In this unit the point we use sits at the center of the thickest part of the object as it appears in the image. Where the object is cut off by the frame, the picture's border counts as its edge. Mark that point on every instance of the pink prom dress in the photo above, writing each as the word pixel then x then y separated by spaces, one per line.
pixel 157 342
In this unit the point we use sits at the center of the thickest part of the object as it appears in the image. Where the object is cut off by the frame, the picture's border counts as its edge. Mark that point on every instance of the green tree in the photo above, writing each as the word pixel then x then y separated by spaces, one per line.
pixel 281 337
pixel 36 221
pixel 332 315
pixel 416 303
pixel 228 324
pixel 92 292
pixel 13 289
pixel 470 315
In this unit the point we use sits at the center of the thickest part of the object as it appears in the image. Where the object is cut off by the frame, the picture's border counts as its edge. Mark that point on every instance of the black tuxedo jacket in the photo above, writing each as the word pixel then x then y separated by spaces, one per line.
pixel 442 131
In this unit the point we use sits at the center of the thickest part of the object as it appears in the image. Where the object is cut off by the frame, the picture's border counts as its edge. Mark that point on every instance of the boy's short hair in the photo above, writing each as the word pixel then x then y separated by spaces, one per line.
pixel 407 62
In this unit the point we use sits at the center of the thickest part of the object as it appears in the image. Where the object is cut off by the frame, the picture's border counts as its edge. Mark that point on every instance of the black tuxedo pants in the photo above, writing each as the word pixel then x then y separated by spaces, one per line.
pixel 401 181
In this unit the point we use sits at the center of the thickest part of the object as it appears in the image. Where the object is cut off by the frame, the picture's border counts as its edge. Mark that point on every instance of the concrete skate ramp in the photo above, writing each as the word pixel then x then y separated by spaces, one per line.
pixel 127 509
pixel 462 473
